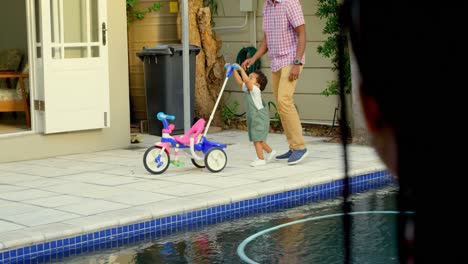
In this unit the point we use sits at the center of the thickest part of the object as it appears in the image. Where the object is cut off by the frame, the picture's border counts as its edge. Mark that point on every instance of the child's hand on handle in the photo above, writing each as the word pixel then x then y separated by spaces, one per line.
pixel 231 68
pixel 231 65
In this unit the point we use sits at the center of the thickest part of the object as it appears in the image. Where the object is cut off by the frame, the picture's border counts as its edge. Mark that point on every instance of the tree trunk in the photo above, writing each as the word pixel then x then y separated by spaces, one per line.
pixel 214 63
pixel 209 66
pixel 359 129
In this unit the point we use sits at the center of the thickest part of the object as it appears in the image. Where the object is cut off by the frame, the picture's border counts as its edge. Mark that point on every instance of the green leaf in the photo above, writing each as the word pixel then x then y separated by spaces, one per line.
pixel 133 14
pixel 327 9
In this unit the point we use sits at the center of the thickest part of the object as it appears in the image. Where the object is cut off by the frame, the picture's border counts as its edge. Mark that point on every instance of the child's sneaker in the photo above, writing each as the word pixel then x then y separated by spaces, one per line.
pixel 270 156
pixel 258 162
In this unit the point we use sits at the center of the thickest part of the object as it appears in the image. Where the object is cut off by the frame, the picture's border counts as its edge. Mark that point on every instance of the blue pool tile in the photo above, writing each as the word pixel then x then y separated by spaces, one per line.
pixel 33 249
pixel 27 250
pixel 20 252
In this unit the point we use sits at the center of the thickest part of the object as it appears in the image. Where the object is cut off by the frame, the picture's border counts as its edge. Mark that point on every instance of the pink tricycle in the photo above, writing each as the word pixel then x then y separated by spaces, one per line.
pixel 203 152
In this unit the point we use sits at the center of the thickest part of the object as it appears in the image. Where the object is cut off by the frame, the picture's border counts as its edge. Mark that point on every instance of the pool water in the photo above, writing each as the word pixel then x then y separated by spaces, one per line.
pixel 321 241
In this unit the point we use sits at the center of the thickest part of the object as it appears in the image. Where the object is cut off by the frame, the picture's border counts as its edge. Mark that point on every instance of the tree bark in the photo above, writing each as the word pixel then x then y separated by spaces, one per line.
pixel 214 63
pixel 209 66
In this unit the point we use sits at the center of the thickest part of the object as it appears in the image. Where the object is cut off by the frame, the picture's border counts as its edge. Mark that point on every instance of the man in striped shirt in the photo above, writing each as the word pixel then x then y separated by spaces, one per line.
pixel 285 40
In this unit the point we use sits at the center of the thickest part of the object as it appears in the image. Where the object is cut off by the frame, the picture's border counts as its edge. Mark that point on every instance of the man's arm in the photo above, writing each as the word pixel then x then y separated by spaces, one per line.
pixel 262 49
pixel 260 52
pixel 301 41
pixel 300 50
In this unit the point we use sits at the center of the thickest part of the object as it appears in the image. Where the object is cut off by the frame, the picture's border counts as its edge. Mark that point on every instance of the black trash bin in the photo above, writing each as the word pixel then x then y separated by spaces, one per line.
pixel 163 67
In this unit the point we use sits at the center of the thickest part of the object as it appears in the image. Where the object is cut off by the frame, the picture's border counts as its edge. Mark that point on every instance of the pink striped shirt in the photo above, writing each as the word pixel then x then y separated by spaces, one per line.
pixel 279 22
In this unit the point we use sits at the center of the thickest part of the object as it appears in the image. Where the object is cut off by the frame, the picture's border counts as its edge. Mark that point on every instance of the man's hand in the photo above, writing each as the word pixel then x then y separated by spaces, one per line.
pixel 247 63
pixel 294 74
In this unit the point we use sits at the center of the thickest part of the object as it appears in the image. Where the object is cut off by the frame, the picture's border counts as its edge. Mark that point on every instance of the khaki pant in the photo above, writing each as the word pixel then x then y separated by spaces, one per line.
pixel 283 91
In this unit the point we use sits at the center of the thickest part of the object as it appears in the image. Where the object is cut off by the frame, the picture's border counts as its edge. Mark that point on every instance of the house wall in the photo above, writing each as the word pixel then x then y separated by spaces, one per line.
pixel 317 71
pixel 32 146
pixel 156 28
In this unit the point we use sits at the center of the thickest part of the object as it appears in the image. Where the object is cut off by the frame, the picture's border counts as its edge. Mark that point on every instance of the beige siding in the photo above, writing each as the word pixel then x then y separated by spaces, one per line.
pixel 317 72
pixel 155 29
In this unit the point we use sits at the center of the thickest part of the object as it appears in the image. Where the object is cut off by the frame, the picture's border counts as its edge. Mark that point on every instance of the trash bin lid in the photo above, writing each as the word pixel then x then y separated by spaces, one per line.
pixel 179 48
pixel 168 49
pixel 153 51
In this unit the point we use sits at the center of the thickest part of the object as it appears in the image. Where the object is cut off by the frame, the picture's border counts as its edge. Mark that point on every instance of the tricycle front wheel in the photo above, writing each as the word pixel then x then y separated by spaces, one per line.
pixel 156 160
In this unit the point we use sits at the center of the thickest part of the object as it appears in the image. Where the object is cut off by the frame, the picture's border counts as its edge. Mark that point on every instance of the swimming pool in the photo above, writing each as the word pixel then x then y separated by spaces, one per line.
pixel 127 235
pixel 373 237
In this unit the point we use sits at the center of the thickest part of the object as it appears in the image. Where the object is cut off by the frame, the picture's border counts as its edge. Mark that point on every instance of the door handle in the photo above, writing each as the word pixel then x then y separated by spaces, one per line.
pixel 104 33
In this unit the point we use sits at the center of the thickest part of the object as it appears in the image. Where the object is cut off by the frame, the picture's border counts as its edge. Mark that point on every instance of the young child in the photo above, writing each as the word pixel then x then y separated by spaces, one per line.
pixel 258 118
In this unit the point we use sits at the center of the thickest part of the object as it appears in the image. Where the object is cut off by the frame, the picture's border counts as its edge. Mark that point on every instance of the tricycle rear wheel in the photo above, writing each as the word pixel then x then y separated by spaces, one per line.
pixel 215 159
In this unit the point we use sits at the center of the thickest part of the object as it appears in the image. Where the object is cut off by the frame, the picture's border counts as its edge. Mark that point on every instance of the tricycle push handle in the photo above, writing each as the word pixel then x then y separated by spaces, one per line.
pixel 230 69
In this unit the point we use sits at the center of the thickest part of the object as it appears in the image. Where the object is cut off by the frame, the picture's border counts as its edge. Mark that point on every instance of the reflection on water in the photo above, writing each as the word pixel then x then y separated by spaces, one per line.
pixel 373 237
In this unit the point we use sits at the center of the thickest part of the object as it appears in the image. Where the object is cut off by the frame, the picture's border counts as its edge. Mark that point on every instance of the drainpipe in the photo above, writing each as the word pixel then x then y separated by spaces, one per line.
pixel 247 6
pixel 254 35
pixel 186 65
pixel 235 27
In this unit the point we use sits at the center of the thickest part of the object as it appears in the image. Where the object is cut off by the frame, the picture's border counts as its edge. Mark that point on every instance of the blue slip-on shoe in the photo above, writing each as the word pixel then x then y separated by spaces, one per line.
pixel 297 156
pixel 284 156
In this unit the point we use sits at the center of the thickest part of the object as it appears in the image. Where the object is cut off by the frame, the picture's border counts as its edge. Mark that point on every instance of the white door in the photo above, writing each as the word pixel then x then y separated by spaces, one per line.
pixel 74 64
